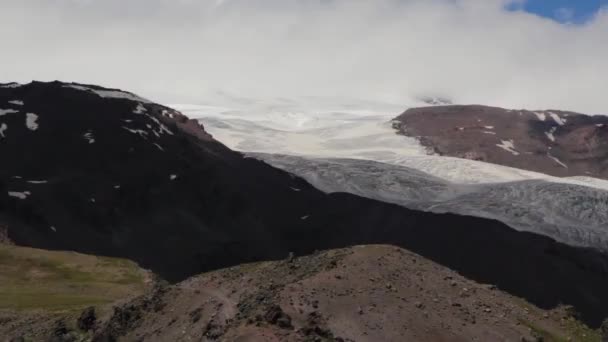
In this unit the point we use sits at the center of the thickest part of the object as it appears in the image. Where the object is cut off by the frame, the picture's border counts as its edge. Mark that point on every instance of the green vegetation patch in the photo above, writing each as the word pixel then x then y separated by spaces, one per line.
pixel 33 279
pixel 576 332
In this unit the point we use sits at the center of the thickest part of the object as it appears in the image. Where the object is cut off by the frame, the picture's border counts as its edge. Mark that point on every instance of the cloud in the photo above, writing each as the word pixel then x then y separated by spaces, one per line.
pixel 474 51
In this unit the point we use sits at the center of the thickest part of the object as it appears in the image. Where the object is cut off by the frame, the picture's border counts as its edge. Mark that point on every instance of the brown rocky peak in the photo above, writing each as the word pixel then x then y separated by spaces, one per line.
pixel 557 143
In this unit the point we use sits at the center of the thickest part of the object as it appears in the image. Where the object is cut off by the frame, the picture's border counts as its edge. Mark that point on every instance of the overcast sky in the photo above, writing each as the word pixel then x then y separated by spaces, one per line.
pixel 186 51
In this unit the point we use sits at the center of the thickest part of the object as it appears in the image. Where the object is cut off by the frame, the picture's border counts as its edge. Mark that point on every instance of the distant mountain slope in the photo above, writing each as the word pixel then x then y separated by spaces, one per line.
pixel 572 213
pixel 554 142
pixel 104 172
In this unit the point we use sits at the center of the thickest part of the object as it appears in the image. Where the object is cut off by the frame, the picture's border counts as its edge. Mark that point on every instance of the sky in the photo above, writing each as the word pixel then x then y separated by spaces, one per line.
pixel 564 11
pixel 534 54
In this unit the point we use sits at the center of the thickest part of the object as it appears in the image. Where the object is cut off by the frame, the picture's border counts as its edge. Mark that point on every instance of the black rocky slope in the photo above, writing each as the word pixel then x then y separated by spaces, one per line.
pixel 104 172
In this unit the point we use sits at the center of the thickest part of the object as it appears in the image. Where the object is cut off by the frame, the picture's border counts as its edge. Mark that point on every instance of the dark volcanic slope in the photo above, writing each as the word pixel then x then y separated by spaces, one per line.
pixel 552 142
pixel 103 172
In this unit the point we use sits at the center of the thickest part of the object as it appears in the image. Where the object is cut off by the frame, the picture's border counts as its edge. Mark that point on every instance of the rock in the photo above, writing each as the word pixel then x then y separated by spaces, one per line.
pixel 571 312
pixel 61 333
pixel 317 330
pixel 196 315
pixel 87 320
pixel 4 239
pixel 604 331
pixel 275 315
pixel 213 331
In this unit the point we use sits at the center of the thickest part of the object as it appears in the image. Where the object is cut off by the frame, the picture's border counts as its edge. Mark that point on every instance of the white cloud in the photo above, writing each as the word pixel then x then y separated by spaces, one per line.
pixel 473 51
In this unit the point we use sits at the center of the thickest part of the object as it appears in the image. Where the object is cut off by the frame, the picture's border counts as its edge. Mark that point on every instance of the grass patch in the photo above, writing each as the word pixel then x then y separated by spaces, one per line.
pixel 576 332
pixel 581 332
pixel 33 279
pixel 537 331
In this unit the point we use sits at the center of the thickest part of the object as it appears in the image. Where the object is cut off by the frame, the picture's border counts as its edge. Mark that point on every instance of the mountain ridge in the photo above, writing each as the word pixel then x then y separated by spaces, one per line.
pixel 87 175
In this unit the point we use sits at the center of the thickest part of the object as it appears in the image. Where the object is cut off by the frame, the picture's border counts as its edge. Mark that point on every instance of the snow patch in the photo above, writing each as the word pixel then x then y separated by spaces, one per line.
pixel 508 146
pixel 173 177
pixel 161 128
pixel 31 121
pixel 54 229
pixel 557 119
pixel 159 147
pixel 295 189
pixel 89 137
pixel 37 181
pixel 557 160
pixel 7 111
pixel 16 102
pixel 140 109
pixel 116 186
pixel 600 125
pixel 164 129
pixel 167 114
pixel 540 116
pixel 489 127
pixel 304 217
pixel 20 195
pixel 111 94
pixel 11 85
pixel 550 134
pixel 140 132
pixel 3 128
pixel 488 132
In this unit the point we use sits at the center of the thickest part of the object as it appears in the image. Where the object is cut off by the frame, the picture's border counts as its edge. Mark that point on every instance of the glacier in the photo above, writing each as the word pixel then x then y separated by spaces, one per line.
pixel 353 148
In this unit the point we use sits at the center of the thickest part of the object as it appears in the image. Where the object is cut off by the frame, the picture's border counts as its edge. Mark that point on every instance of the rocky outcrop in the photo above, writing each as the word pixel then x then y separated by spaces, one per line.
pixel 554 142
pixel 339 295
pixel 4 240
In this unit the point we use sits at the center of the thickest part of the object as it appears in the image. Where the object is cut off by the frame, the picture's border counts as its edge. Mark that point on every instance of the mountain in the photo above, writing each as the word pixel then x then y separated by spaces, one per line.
pixel 364 293
pixel 105 172
pixel 553 142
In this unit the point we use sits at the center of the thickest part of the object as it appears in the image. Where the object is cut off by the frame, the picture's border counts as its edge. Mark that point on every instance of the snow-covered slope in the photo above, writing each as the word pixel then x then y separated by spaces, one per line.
pixel 322 128
pixel 570 213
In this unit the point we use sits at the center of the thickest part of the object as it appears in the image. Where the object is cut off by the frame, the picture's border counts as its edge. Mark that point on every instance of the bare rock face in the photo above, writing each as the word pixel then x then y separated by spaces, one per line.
pixel 554 142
